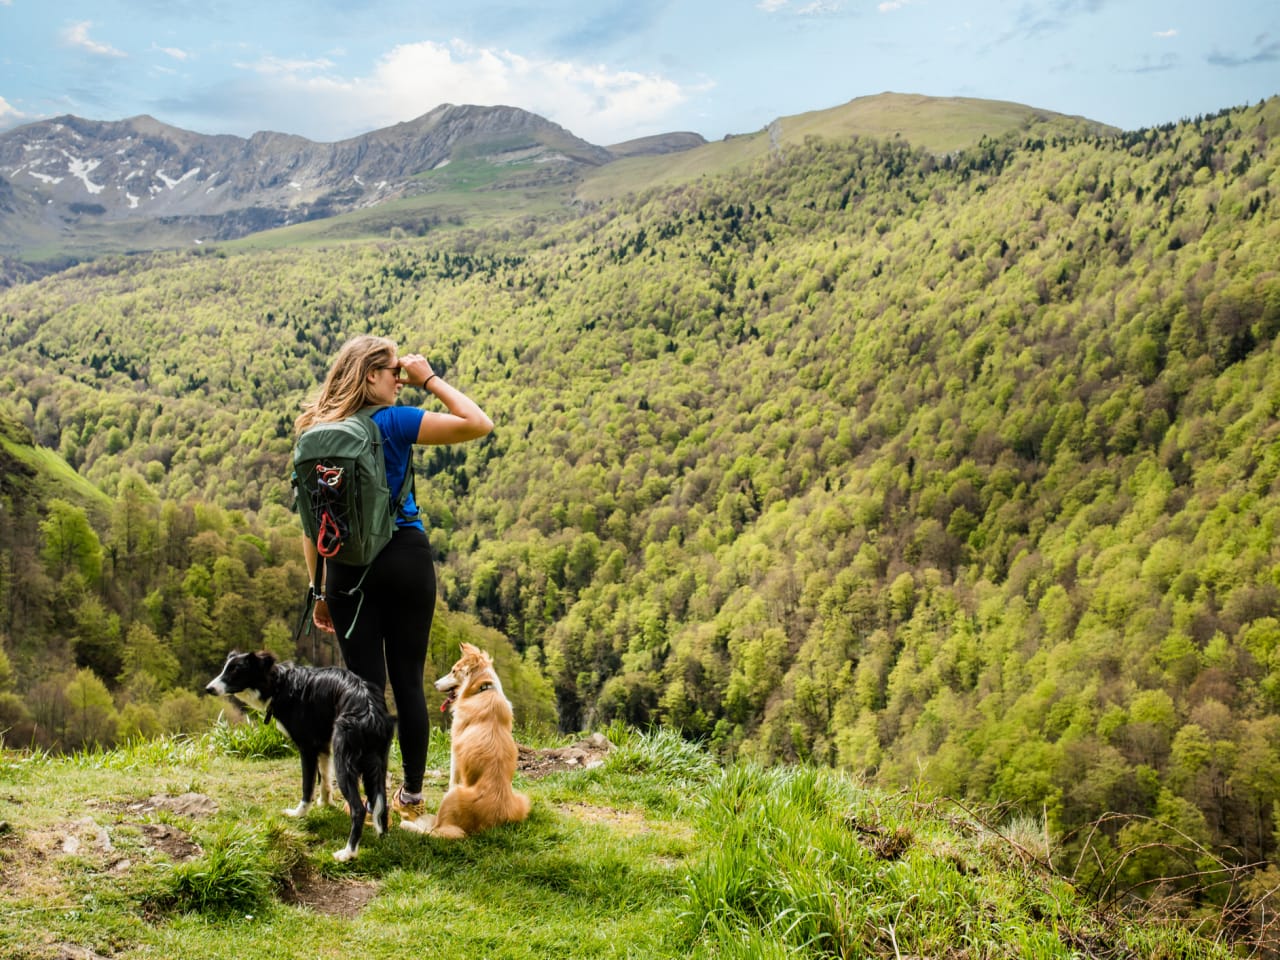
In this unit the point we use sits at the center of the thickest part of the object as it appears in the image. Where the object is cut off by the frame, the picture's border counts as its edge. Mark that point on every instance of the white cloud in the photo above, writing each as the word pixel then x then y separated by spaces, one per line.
pixel 600 104
pixel 275 66
pixel 174 52
pixel 1166 34
pixel 77 35
pixel 813 8
pixel 9 117
pixel 891 5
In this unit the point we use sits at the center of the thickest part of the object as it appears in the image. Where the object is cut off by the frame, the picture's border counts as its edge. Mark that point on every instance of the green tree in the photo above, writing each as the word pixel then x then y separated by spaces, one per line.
pixel 70 542
pixel 134 543
pixel 1255 780
pixel 145 654
pixel 91 716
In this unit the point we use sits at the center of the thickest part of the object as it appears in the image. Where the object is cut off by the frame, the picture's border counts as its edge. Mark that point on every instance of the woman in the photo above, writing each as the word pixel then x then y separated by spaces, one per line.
pixel 388 640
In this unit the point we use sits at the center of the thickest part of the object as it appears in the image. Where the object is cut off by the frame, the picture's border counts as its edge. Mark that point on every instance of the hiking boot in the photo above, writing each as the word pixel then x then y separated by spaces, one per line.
pixel 413 816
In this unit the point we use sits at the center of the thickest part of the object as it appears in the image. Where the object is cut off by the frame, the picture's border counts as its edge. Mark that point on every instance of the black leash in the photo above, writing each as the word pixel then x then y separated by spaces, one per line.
pixel 306 627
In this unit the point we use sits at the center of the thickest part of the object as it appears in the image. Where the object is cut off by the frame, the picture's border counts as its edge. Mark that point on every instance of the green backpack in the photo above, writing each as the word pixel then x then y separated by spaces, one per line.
pixel 340 488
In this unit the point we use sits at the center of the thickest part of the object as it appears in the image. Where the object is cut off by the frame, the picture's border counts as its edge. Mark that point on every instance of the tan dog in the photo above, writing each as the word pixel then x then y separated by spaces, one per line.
pixel 482 756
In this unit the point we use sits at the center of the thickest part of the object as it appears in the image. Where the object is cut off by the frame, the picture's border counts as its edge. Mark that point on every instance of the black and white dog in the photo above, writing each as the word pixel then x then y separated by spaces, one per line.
pixel 336 719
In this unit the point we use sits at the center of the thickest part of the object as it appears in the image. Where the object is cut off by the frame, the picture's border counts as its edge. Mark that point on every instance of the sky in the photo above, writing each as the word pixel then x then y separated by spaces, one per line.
pixel 613 70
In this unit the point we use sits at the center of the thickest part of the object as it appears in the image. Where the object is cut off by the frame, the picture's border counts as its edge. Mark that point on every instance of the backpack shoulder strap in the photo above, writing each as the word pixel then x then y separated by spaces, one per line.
pixel 406 484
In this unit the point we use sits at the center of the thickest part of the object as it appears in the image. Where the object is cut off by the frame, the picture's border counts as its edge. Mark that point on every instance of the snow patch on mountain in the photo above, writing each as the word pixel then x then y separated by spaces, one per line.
pixel 80 169
pixel 171 183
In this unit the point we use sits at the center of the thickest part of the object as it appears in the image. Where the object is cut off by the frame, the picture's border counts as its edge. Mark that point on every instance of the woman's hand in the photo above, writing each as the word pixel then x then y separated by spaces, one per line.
pixel 415 370
pixel 320 615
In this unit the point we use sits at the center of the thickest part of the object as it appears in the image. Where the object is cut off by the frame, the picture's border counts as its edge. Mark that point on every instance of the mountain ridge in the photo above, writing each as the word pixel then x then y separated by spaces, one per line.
pixel 71 187
pixel 67 181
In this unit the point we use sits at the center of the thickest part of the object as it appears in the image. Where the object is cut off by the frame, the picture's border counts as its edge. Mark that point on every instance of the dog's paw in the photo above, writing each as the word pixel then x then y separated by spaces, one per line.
pixel 345 854
pixel 297 811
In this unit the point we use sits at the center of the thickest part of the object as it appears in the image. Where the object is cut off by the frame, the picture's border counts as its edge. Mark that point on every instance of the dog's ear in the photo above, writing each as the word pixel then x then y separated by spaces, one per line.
pixel 266 658
pixel 468 650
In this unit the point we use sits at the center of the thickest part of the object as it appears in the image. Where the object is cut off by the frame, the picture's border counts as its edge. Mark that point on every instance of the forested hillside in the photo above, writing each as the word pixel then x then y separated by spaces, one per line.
pixel 959 468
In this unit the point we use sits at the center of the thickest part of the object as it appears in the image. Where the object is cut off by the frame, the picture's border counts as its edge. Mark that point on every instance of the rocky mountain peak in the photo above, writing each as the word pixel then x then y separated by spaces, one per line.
pixel 70 174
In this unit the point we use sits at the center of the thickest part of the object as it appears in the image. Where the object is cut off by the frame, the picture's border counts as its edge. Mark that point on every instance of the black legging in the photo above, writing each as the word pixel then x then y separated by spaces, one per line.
pixel 392 627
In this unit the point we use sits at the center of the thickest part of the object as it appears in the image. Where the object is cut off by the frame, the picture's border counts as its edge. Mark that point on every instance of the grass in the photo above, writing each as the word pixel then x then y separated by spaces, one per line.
pixel 177 847
pixel 466 194
pixel 233 877
pixel 938 124
pixel 51 471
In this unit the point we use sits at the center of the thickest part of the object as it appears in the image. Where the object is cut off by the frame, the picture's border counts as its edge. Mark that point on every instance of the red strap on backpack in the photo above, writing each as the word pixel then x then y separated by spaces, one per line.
pixel 328 537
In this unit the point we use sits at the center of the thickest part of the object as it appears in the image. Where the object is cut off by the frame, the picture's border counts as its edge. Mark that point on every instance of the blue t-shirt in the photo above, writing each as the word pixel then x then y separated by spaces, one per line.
pixel 399 426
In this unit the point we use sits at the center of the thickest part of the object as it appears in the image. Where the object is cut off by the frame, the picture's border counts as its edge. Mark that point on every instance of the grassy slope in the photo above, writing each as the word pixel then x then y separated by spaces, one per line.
pixel 938 124
pixel 657 853
pixel 47 475
pixel 475 194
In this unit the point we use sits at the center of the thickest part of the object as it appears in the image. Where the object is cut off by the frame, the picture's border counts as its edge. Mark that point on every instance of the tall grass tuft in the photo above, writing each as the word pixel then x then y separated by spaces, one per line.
pixel 662 755
pixel 238 873
pixel 785 868
pixel 249 740
pixel 724 940
pixel 804 862
pixel 141 754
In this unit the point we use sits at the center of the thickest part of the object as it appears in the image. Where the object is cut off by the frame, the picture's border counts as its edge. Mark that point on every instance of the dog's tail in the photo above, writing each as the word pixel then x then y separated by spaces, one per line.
pixel 378 803
pixel 518 807
pixel 366 742
pixel 375 785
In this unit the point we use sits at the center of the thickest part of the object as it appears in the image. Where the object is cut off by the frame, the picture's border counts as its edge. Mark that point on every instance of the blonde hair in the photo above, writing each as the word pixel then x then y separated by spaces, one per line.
pixel 346 387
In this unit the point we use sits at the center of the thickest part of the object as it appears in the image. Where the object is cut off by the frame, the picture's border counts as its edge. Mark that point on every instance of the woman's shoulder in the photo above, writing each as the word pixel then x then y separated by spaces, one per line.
pixel 399 422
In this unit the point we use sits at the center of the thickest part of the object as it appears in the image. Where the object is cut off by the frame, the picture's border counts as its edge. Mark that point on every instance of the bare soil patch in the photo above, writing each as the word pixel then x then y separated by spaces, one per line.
pixel 327 895
pixel 184 805
pixel 170 841
pixel 71 951
pixel 583 755
pixel 628 822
